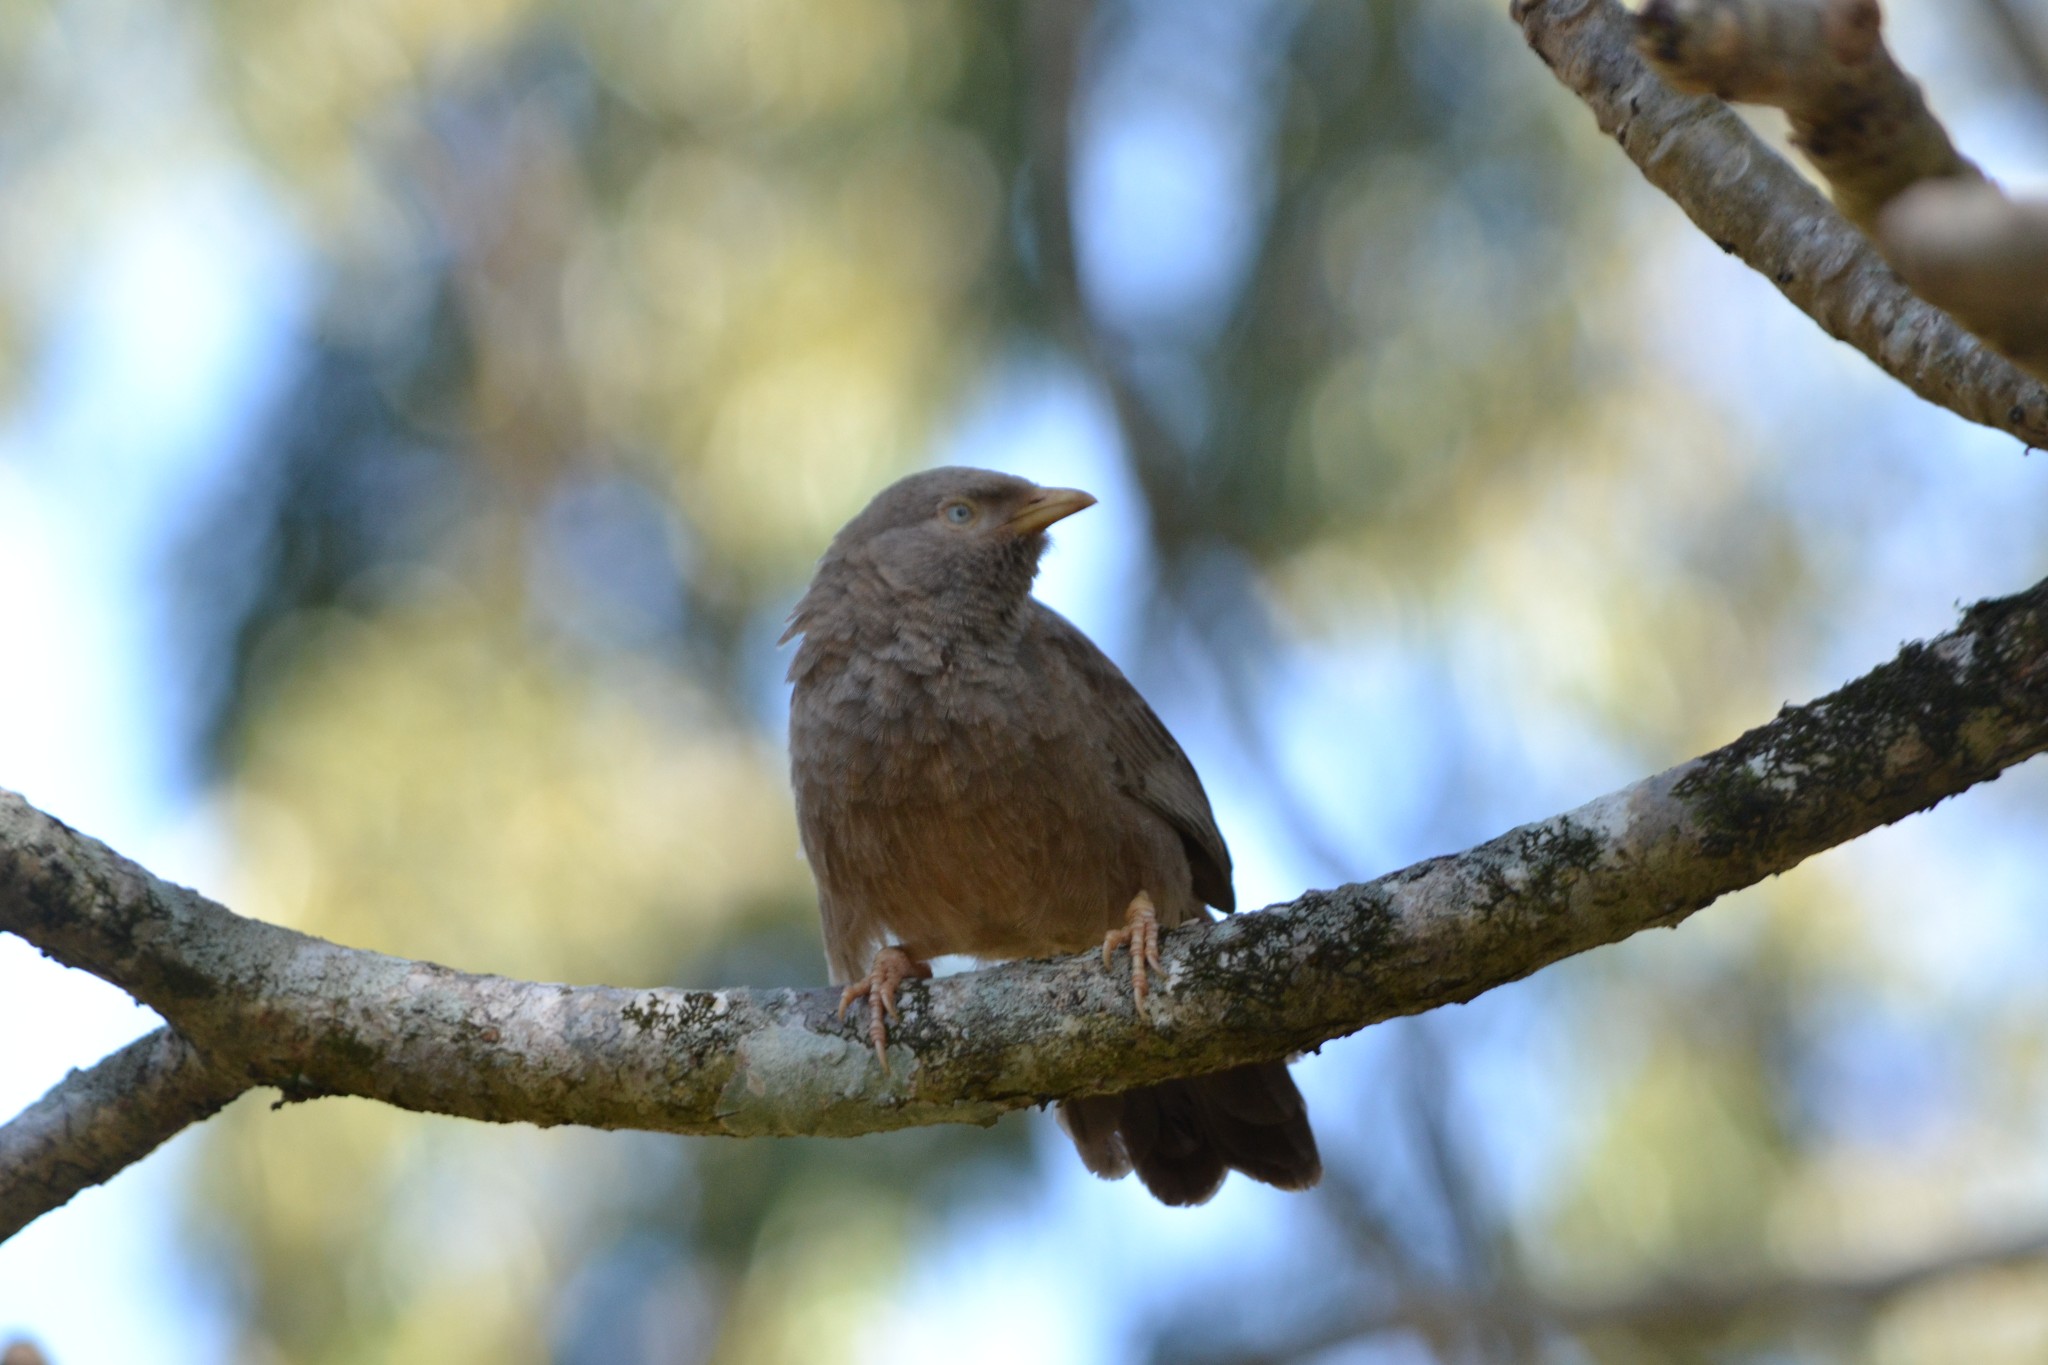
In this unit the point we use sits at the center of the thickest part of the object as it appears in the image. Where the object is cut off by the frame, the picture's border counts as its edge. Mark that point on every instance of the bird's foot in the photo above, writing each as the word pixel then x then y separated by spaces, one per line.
pixel 1141 934
pixel 891 968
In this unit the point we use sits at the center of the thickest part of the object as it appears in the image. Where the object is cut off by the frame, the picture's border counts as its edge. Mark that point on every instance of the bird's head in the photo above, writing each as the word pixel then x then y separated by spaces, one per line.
pixel 967 537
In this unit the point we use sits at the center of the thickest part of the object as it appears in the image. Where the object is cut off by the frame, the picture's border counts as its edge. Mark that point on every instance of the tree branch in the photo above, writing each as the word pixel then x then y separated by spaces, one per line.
pixel 93 1124
pixel 268 1006
pixel 1751 203
pixel 1981 256
pixel 1951 234
pixel 1860 119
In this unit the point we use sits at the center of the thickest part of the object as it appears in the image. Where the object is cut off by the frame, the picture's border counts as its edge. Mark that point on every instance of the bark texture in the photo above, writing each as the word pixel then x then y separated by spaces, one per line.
pixel 96 1122
pixel 1858 117
pixel 1953 237
pixel 1979 255
pixel 1752 204
pixel 262 1005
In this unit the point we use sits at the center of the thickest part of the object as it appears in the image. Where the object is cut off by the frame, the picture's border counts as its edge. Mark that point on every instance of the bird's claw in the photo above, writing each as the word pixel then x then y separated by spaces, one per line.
pixel 891 968
pixel 1141 935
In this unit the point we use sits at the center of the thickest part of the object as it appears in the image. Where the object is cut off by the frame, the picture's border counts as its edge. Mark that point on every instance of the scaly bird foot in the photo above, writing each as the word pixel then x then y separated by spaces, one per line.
pixel 1141 934
pixel 891 968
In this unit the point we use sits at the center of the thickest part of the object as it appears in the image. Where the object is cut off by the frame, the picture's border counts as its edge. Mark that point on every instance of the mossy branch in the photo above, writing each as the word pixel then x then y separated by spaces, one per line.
pixel 253 1004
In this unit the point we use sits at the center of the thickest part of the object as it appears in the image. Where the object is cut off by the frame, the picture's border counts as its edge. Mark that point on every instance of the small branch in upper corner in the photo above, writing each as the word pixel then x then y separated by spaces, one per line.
pixel 1742 195
pixel 1894 173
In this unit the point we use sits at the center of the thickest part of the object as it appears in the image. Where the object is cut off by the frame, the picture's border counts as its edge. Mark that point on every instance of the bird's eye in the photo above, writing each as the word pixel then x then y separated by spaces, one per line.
pixel 959 513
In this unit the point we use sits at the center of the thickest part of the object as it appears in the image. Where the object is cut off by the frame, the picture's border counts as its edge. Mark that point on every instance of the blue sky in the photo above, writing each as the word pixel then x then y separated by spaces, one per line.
pixel 165 350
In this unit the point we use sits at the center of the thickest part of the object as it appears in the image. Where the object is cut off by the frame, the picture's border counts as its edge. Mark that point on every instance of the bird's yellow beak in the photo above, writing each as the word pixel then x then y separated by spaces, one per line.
pixel 1047 506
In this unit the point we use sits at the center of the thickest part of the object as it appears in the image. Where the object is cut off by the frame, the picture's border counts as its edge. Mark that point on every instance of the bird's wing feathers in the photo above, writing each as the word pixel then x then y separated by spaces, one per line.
pixel 1150 764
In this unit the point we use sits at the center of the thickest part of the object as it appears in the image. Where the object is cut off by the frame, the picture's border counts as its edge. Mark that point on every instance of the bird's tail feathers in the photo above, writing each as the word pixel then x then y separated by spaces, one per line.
pixel 1182 1137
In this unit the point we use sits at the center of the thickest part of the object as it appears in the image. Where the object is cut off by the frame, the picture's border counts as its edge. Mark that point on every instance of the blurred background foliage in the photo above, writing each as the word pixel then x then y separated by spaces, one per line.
pixel 1451 479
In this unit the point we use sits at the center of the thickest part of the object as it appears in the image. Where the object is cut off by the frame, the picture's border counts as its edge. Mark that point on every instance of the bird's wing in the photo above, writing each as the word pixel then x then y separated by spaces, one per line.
pixel 1150 764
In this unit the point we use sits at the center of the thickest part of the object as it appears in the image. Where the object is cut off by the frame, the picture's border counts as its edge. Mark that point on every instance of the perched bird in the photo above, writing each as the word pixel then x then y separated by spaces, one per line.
pixel 974 776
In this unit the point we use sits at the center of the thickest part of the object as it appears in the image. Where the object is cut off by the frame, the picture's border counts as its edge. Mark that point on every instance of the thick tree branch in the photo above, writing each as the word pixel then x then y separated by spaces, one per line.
pixel 268 1006
pixel 1751 203
pixel 94 1123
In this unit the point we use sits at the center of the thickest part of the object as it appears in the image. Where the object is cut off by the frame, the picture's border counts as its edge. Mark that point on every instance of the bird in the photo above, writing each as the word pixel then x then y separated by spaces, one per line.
pixel 972 775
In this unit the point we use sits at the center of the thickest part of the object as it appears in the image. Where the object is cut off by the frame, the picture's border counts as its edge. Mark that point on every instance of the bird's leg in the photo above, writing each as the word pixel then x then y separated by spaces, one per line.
pixel 1141 934
pixel 891 968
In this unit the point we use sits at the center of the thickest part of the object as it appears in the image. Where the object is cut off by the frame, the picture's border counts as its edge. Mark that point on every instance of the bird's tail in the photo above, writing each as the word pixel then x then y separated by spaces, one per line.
pixel 1182 1137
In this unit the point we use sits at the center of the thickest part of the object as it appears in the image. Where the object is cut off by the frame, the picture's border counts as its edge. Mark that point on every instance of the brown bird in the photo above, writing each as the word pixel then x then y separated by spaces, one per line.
pixel 974 776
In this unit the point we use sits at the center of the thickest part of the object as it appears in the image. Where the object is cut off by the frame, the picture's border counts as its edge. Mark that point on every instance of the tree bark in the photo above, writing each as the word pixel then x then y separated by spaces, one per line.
pixel 100 1121
pixel 1952 235
pixel 1752 204
pixel 1857 116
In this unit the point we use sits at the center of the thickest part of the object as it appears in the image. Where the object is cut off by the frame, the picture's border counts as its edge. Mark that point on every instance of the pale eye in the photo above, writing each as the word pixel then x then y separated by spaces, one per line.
pixel 959 513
